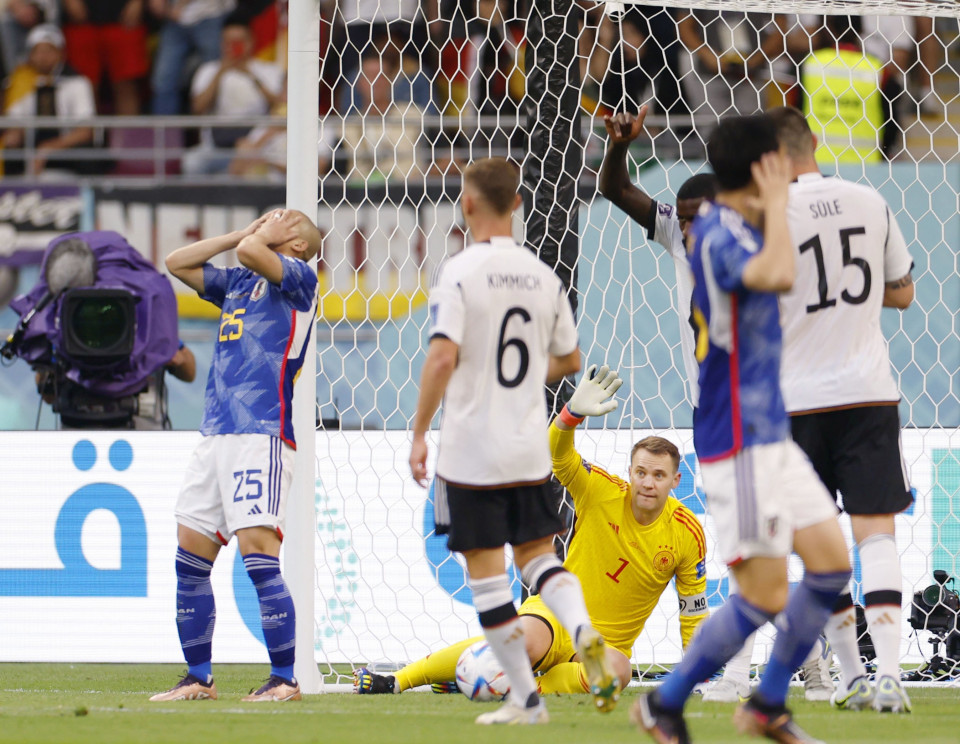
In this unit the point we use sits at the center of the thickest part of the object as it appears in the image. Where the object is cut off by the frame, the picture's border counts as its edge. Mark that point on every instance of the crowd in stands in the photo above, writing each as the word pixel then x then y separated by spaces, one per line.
pixel 393 62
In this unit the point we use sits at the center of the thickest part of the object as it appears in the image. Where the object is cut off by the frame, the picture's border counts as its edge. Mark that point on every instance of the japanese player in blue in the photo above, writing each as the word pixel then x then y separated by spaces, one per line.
pixel 238 478
pixel 762 492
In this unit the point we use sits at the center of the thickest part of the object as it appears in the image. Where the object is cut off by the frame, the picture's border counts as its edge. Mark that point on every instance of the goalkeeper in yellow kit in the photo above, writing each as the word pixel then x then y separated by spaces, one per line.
pixel 632 537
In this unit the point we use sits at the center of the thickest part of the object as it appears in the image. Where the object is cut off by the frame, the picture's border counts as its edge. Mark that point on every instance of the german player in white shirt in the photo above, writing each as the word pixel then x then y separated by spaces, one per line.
pixel 668 225
pixel 500 327
pixel 841 395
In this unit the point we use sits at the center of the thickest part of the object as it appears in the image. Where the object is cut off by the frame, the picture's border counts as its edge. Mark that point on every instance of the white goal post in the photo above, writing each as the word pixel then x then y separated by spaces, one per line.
pixel 372 584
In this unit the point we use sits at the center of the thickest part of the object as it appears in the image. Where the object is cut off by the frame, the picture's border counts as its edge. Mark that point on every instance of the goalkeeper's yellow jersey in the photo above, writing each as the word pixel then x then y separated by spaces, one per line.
pixel 622 565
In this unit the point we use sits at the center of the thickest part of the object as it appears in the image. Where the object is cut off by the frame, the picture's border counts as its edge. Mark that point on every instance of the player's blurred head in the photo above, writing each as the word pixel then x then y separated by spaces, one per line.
pixel 793 131
pixel 654 472
pixel 491 185
pixel 690 195
pixel 736 143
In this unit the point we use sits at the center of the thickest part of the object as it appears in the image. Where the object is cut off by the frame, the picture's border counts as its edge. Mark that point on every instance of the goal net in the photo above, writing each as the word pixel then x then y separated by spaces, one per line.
pixel 412 92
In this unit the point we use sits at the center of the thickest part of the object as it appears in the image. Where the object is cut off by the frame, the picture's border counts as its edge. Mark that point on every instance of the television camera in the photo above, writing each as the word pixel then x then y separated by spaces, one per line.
pixel 936 609
pixel 98 328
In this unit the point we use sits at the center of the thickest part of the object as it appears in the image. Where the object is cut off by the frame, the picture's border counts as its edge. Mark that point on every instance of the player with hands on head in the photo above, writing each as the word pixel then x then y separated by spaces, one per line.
pixel 762 492
pixel 238 478
pixel 654 541
pixel 669 225
pixel 500 327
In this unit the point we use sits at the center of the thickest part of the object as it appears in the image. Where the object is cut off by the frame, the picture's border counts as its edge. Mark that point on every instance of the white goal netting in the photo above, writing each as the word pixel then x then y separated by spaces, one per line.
pixel 410 92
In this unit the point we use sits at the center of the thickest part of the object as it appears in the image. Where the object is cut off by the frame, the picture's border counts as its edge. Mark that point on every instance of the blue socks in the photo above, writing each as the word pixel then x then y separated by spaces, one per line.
pixel 798 627
pixel 719 637
pixel 196 612
pixel 276 612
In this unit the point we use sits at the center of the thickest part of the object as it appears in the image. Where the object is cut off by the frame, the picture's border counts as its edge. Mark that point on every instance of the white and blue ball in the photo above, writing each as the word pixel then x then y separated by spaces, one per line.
pixel 479 675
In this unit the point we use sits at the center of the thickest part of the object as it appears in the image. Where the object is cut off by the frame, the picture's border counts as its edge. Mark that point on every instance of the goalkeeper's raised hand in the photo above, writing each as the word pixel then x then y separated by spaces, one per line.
pixel 593 396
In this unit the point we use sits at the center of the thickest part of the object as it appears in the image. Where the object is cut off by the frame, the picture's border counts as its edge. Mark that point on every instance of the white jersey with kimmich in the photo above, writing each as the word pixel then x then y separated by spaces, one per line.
pixel 508 312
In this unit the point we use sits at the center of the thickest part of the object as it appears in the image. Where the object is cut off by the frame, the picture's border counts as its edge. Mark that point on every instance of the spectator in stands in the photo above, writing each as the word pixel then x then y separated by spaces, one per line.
pixel 109 36
pixel 905 44
pixel 625 86
pixel 481 60
pixel 359 23
pixel 17 18
pixel 596 39
pixel 847 112
pixel 262 154
pixel 190 27
pixel 730 55
pixel 376 145
pixel 650 56
pixel 58 91
pixel 411 84
pixel 236 85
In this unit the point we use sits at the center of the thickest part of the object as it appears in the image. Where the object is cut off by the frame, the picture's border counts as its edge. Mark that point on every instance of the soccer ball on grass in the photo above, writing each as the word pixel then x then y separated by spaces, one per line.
pixel 479 675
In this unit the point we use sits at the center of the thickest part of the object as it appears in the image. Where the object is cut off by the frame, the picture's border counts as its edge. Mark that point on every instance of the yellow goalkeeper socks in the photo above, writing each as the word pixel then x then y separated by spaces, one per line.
pixel 567 678
pixel 437 667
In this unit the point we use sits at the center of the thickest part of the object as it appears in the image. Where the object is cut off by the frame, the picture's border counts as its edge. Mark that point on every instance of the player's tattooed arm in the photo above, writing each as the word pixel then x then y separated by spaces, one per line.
pixel 899 293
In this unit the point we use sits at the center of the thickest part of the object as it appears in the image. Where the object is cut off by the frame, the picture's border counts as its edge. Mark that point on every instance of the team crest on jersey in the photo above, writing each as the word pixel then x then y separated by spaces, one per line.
pixel 259 289
pixel 665 209
pixel 664 561
pixel 773 525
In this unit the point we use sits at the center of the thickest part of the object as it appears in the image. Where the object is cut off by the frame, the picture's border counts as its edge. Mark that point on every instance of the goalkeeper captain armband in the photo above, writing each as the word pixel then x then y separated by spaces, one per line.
pixel 570 418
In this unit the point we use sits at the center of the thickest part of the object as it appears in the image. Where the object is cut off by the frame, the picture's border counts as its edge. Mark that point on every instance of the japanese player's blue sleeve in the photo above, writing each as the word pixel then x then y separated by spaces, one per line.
pixel 299 283
pixel 728 258
pixel 215 283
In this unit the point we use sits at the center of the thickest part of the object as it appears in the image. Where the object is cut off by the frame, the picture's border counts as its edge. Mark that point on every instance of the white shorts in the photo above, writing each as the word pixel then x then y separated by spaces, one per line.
pixel 759 497
pixel 234 481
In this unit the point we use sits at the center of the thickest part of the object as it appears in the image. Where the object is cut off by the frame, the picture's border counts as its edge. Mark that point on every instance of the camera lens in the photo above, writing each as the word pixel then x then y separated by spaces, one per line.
pixel 99 322
pixel 931 595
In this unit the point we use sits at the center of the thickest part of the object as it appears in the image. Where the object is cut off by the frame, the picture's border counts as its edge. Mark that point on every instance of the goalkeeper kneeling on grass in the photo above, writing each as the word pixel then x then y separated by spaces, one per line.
pixel 631 538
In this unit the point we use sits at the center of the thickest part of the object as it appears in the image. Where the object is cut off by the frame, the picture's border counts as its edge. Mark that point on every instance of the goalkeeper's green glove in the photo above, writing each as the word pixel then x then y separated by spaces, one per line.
pixel 593 396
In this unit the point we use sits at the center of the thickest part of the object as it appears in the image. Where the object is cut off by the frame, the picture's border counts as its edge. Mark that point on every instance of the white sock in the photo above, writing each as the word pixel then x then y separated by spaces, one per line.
pixel 737 669
pixel 560 591
pixel 507 643
pixel 883 599
pixel 493 601
pixel 841 631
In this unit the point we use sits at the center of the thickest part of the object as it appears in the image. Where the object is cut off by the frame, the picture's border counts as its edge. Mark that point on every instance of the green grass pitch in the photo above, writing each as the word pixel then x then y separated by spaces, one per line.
pixel 106 704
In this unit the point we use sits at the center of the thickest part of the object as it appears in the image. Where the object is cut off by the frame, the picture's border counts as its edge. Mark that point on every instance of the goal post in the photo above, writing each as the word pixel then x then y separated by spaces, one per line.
pixel 527 81
pixel 303 80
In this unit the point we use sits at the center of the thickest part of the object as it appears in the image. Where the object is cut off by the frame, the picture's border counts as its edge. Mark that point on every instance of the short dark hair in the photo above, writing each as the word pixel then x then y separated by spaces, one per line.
pixel 496 180
pixel 793 130
pixel 735 144
pixel 700 186
pixel 658 446
pixel 842 29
